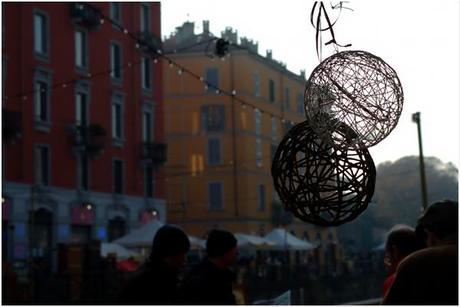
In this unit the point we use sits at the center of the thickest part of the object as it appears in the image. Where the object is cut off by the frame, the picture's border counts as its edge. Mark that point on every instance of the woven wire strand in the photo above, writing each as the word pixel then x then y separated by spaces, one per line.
pixel 320 183
pixel 358 89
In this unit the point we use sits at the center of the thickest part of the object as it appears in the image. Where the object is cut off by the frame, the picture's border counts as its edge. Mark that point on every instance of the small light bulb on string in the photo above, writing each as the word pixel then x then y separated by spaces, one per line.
pixel 171 64
pixel 179 72
pixel 217 91
pixel 243 105
pixel 201 79
pixel 233 93
pixel 222 59
pixel 206 87
pixel 102 21
pixel 137 45
pixel 64 85
pixel 125 31
pixel 159 51
pixel 155 61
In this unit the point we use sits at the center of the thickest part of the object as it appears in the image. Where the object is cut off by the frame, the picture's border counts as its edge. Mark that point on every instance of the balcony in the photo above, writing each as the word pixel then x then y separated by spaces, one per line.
pixel 84 15
pixel 88 139
pixel 11 125
pixel 153 153
pixel 149 41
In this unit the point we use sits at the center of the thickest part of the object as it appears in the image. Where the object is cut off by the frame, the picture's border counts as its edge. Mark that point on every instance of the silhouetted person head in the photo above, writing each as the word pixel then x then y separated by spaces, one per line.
pixel 221 248
pixel 171 246
pixel 439 223
pixel 401 241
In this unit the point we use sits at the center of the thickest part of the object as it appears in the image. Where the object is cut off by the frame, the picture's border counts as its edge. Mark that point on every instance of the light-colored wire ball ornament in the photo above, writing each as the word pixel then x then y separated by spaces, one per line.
pixel 319 183
pixel 358 89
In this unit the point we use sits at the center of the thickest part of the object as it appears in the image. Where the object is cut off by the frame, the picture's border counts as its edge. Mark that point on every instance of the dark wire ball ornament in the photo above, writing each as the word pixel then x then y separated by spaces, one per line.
pixel 358 89
pixel 319 183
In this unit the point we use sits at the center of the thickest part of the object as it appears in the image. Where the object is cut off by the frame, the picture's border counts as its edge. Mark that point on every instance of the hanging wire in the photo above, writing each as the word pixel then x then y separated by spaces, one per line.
pixel 319 29
pixel 222 47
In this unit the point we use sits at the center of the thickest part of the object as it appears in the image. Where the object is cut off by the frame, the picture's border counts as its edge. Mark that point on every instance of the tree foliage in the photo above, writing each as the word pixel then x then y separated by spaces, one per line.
pixel 398 189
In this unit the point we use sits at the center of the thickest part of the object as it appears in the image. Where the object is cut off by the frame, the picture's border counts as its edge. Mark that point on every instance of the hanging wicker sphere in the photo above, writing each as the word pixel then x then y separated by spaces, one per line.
pixel 358 89
pixel 319 183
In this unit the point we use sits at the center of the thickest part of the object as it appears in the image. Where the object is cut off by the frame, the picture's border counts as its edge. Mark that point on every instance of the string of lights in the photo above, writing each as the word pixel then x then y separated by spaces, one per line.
pixel 222 50
pixel 181 69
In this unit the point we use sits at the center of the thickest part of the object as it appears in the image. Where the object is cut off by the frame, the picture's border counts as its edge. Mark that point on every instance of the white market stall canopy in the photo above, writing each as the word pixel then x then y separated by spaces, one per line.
pixel 197 243
pixel 285 240
pixel 120 251
pixel 143 237
pixel 245 240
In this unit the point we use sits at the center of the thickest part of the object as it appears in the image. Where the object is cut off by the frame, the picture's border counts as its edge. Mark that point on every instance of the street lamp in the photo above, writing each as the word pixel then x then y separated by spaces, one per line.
pixel 416 119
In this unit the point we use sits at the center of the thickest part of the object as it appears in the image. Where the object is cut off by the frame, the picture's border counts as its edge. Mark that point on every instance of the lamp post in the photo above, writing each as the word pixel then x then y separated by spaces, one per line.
pixel 416 119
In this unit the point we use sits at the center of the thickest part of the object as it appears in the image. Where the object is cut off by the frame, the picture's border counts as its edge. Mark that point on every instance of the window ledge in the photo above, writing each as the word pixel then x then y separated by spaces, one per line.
pixel 116 81
pixel 42 126
pixel 118 142
pixel 42 56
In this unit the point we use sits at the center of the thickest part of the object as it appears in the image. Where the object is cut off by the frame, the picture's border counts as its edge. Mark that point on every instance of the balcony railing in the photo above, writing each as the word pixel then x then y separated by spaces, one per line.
pixel 88 139
pixel 153 153
pixel 149 41
pixel 85 15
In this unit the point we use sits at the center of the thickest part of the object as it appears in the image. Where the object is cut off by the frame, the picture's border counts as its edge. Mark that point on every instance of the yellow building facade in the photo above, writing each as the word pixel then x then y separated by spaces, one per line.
pixel 220 146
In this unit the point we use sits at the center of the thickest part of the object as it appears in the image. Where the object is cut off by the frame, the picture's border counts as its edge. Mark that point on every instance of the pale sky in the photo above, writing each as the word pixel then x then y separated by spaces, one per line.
pixel 418 38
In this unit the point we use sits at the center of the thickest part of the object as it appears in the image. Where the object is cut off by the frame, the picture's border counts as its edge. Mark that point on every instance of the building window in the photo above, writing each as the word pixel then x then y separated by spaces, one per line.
pixel 288 125
pixel 81 49
pixel 256 85
pixel 115 61
pixel 258 131
pixel 117 117
pixel 118 176
pixel 271 90
pixel 300 105
pixel 287 98
pixel 42 95
pixel 214 151
pixel 115 12
pixel 145 73
pixel 213 118
pixel 261 198
pixel 81 108
pixel 274 129
pixel 273 148
pixel 41 34
pixel 148 181
pixel 41 101
pixel 212 79
pixel 215 196
pixel 147 126
pixel 42 167
pixel 145 17
pixel 274 144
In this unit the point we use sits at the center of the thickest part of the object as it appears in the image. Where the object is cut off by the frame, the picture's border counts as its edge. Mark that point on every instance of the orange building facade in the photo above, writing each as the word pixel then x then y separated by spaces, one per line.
pixel 220 147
